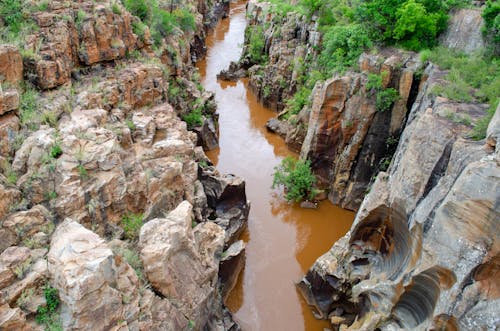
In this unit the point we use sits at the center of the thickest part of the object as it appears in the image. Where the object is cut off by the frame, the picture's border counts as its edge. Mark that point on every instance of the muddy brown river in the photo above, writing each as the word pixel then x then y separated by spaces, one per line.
pixel 282 240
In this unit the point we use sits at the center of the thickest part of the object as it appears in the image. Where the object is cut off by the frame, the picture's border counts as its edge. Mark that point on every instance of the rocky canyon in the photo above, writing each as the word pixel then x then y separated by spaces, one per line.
pixel 127 165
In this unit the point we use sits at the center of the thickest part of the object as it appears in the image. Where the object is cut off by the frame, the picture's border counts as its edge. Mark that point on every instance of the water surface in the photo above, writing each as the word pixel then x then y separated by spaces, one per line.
pixel 282 240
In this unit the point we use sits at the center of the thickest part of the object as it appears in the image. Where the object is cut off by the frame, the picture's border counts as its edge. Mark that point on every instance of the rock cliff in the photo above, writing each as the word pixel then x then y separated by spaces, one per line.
pixel 422 253
pixel 106 196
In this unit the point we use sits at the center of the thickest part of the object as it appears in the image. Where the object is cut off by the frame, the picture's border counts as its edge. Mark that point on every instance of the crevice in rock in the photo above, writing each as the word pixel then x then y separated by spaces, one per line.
pixel 439 170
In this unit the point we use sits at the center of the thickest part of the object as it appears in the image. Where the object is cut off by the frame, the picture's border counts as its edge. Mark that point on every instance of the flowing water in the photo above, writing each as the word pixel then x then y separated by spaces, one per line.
pixel 282 240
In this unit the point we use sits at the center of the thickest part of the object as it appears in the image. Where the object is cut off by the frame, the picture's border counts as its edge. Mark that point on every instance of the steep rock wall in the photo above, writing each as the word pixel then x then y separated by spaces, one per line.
pixel 422 251
pixel 348 139
pixel 97 143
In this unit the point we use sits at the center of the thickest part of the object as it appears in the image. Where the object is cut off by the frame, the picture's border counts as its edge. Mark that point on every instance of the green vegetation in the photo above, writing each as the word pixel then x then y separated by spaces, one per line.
pixel 28 107
pixel 385 96
pixel 162 21
pixel 22 269
pixel 11 12
pixel 81 15
pixel 256 44
pixel 116 9
pixel 48 314
pixel 299 100
pixel 56 150
pixel 132 224
pixel 84 174
pixel 350 28
pixel 297 179
pixel 342 46
pixel 491 29
pixel 470 78
pixel 133 259
pixel 194 118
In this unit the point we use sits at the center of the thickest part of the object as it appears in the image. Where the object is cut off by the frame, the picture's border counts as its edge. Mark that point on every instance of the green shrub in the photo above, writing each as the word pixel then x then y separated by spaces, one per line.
pixel 194 118
pixel 342 46
pixel 81 15
pixel 185 19
pixel 47 315
pixel 386 98
pixel 82 172
pixel 374 82
pixel 299 100
pixel 56 151
pixel 415 27
pixel 139 8
pixel 28 108
pixel 481 125
pixel 256 44
pixel 132 224
pixel 297 179
pixel 470 77
pixel 11 12
pixel 415 24
pixel 491 29
pixel 139 29
pixel 164 24
pixel 116 9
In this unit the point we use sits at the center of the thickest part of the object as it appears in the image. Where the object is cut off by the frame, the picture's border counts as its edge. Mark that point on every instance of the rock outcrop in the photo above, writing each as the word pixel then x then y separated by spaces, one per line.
pixel 464 31
pixel 348 139
pixel 94 140
pixel 84 270
pixel 180 262
pixel 289 42
pixel 422 251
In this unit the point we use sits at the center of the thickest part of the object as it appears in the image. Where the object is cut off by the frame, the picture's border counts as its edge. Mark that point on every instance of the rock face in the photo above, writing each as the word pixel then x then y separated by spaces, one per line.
pixel 87 33
pixel 422 250
pixel 11 64
pixel 96 140
pixel 348 139
pixel 289 40
pixel 85 272
pixel 464 31
pixel 174 265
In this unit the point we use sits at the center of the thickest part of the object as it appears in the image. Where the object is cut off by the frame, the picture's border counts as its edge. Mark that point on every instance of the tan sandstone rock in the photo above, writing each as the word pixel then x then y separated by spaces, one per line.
pixel 85 272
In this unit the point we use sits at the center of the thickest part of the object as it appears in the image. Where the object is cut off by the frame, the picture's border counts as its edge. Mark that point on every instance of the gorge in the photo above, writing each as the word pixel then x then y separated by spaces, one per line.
pixel 138 142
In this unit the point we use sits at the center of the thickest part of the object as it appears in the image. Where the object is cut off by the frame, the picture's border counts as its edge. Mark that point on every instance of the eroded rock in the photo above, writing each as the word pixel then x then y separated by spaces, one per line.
pixel 84 270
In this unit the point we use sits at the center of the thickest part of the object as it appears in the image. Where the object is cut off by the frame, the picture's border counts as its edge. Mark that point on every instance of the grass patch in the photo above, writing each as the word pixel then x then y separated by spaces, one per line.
pixel 48 315
pixel 132 224
pixel 470 78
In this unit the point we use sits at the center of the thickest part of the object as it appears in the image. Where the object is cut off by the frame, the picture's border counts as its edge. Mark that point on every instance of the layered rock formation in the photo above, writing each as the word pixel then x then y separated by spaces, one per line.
pixel 422 251
pixel 288 43
pixel 92 151
pixel 348 139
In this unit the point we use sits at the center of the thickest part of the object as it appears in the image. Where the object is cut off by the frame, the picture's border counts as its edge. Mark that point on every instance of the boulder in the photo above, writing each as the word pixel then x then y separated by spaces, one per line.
pixel 9 127
pixel 86 273
pixel 180 264
pixel 11 64
pixel 348 140
pixel 279 127
pixel 227 198
pixel 10 259
pixel 9 100
pixel 426 228
pixel 231 265
pixel 12 318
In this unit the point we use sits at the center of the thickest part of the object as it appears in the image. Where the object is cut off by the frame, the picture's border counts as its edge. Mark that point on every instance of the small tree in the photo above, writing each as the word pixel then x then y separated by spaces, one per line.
pixel 297 179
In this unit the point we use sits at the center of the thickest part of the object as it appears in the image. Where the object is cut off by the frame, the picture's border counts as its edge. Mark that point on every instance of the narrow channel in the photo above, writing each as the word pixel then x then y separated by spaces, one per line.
pixel 282 240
